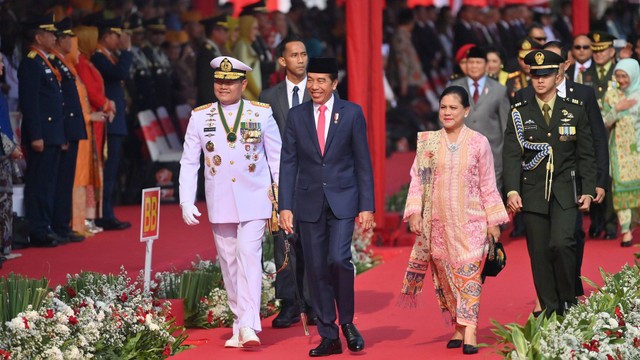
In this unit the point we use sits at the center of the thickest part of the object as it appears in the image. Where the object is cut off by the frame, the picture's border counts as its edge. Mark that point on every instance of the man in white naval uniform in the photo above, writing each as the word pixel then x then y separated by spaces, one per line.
pixel 241 145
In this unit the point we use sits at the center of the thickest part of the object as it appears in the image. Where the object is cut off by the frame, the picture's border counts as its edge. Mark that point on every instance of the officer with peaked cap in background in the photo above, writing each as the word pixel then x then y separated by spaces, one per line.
pixel 547 141
pixel 160 65
pixel 42 129
pixel 74 129
pixel 113 59
pixel 216 32
pixel 241 143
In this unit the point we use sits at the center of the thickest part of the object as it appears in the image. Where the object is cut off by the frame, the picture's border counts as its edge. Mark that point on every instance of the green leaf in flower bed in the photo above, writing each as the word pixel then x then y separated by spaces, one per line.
pixel 17 292
pixel 396 202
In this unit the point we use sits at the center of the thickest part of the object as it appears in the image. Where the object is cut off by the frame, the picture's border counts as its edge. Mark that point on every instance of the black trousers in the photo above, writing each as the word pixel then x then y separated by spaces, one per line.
pixel 111 166
pixel 40 188
pixel 327 249
pixel 552 250
pixel 62 206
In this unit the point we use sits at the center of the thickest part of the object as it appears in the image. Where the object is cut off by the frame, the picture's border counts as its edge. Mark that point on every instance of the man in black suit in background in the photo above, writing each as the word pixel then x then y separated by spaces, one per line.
pixel 292 55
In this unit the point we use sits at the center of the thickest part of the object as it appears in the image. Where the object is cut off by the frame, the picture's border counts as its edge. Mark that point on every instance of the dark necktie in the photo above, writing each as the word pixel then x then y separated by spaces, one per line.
pixel 295 100
pixel 602 73
pixel 545 113
pixel 476 93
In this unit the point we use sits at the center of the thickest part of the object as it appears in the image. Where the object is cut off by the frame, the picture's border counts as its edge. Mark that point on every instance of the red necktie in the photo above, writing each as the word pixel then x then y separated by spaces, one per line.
pixel 582 69
pixel 476 93
pixel 321 121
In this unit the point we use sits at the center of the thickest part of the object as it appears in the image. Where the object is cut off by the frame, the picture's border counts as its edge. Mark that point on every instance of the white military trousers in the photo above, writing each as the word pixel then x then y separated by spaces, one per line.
pixel 239 247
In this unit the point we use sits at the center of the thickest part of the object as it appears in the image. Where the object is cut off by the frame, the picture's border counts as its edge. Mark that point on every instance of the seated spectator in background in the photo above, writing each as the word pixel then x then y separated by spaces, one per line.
pixel 406 120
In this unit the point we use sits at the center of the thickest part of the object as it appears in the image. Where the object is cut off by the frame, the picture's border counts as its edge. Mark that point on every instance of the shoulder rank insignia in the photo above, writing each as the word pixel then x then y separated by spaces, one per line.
pixel 202 107
pixel 573 101
pixel 208 46
pixel 518 104
pixel 261 104
pixel 32 54
pixel 513 74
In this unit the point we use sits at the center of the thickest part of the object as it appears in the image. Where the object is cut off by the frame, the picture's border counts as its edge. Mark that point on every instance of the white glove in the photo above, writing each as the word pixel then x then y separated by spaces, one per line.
pixel 189 213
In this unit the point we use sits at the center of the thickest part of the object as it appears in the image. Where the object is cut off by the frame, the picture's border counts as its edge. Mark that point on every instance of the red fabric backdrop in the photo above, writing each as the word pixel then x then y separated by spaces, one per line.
pixel 364 69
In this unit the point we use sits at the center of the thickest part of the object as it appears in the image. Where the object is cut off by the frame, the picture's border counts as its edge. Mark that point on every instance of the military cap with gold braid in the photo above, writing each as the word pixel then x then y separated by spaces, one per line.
pixel 601 40
pixel 46 23
pixel 525 46
pixel 64 27
pixel 155 24
pixel 543 62
pixel 220 21
pixel 228 68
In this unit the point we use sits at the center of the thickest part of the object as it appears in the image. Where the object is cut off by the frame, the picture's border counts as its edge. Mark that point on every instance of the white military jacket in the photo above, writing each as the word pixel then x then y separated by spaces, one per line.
pixel 237 178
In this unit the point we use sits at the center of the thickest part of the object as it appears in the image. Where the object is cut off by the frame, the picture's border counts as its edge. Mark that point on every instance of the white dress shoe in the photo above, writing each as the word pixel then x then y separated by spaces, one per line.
pixel 248 337
pixel 233 342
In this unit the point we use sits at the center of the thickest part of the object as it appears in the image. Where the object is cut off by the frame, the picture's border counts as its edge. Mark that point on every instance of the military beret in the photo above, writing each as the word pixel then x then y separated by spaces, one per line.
pixel 462 52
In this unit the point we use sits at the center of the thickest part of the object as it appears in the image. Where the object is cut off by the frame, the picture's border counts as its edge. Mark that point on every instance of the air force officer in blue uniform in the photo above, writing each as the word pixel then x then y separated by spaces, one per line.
pixel 326 182
pixel 42 129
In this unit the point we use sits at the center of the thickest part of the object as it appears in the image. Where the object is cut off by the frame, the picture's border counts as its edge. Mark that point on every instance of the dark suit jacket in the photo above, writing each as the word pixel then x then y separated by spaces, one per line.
pixel 598 133
pixel 114 75
pixel 74 128
pixel 276 96
pixel 40 102
pixel 204 73
pixel 567 155
pixel 343 175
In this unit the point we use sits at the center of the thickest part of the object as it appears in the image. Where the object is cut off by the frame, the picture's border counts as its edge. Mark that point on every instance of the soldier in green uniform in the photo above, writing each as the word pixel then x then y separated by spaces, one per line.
pixel 548 138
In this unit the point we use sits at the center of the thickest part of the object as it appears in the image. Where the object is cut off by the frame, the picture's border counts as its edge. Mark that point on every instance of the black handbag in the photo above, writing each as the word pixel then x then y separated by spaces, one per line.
pixel 496 259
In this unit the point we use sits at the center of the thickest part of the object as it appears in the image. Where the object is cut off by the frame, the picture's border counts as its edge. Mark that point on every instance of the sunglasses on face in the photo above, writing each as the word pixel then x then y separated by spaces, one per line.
pixel 581 47
pixel 540 39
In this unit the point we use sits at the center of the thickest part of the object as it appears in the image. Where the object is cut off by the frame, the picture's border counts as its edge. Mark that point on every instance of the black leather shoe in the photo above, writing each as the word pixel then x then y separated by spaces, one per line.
pixel 611 235
pixel 595 231
pixel 289 314
pixel 327 347
pixel 355 342
pixel 469 349
pixel 75 237
pixel 112 224
pixel 626 243
pixel 454 344
pixel 47 241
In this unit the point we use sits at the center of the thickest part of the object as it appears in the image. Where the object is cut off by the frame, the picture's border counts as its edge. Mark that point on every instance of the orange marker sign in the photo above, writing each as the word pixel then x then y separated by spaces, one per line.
pixel 150 217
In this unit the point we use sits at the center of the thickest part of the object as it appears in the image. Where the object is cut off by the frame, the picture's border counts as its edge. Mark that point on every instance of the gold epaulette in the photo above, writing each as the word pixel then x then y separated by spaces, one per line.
pixel 518 104
pixel 202 107
pixel 513 74
pixel 493 76
pixel 32 54
pixel 261 104
pixel 454 76
pixel 573 101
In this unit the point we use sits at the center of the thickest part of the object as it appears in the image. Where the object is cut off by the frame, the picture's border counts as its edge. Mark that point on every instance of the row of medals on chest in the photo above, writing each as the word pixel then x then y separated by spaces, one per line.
pixel 250 134
pixel 566 131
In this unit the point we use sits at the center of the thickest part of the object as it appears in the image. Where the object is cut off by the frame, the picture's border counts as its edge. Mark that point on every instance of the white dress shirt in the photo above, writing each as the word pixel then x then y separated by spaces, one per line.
pixel 302 87
pixel 576 71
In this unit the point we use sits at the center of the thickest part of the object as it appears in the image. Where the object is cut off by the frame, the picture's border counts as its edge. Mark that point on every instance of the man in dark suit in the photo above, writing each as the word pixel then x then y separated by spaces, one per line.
pixel 216 31
pixel 600 76
pixel 548 139
pixel 114 69
pixel 42 130
pixel 326 180
pixel 581 51
pixel 74 130
pixel 292 55
pixel 568 88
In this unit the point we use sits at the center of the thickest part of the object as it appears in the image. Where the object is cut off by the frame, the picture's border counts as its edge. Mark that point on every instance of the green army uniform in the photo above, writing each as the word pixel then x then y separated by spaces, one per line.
pixel 207 52
pixel 600 41
pixel 547 190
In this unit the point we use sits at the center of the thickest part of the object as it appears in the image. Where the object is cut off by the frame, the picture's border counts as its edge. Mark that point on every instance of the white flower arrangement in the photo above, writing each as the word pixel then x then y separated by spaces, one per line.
pixel 606 325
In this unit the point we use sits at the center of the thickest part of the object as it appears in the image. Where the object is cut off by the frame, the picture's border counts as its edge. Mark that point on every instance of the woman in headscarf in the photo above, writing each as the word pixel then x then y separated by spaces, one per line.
pixel 248 30
pixel 90 163
pixel 621 113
